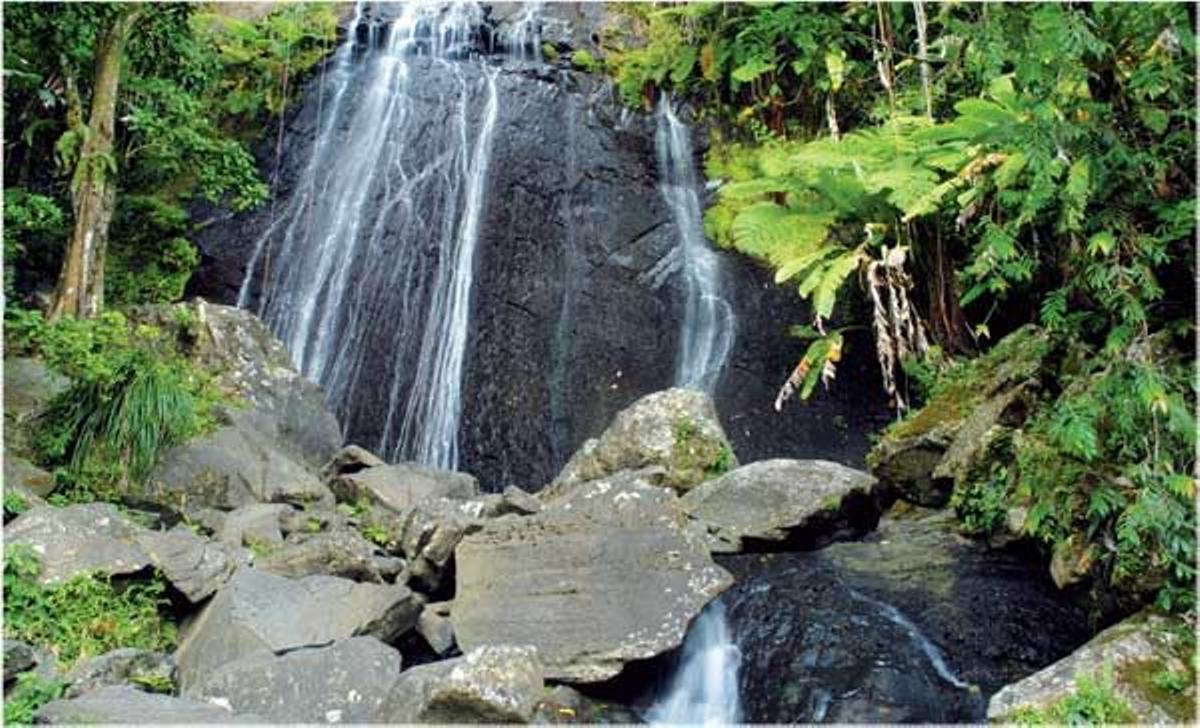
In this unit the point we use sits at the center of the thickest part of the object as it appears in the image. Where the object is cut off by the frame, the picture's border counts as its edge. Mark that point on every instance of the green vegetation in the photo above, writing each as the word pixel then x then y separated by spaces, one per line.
pixel 132 395
pixel 972 169
pixel 84 617
pixel 1092 703
pixel 30 693
pixel 141 142
pixel 696 455
pixel 14 504
pixel 585 61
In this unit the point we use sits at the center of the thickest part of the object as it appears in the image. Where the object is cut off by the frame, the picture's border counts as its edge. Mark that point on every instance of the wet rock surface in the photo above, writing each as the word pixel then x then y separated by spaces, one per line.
pixel 577 270
pixel 912 624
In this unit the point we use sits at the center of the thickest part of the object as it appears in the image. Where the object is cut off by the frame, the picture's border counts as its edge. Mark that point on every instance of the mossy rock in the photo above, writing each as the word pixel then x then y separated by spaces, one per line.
pixel 1138 652
pixel 923 455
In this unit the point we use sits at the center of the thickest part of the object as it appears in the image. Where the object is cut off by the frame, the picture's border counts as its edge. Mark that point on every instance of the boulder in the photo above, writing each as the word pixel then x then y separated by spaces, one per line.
pixel 23 477
pixel 231 467
pixel 923 455
pixel 129 706
pixel 258 611
pixel 140 669
pixel 345 682
pixel 194 565
pixel 804 501
pixel 350 459
pixel 401 486
pixel 256 523
pixel 286 408
pixel 79 539
pixel 606 574
pixel 519 501
pixel 492 684
pixel 18 658
pixel 29 386
pixel 338 552
pixel 676 430
pixel 429 533
pixel 1133 653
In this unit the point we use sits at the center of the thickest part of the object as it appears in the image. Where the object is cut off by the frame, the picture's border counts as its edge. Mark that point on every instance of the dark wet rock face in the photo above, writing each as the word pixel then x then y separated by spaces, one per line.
pixel 577 298
pixel 912 624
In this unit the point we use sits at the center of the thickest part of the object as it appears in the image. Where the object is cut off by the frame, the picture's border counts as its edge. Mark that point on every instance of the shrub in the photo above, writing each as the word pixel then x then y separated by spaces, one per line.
pixel 1092 703
pixel 85 616
pixel 132 395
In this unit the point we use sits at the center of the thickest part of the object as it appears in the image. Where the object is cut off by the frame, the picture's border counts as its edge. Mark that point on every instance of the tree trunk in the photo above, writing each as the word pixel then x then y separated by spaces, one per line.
pixel 80 289
pixel 923 55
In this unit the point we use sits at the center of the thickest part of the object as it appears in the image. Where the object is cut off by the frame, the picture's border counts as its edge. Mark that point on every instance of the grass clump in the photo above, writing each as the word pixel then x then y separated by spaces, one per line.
pixel 85 616
pixel 132 395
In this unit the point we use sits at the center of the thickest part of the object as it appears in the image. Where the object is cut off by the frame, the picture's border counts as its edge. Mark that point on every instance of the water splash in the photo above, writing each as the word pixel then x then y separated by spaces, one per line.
pixel 709 325
pixel 373 253
pixel 704 689
pixel 932 653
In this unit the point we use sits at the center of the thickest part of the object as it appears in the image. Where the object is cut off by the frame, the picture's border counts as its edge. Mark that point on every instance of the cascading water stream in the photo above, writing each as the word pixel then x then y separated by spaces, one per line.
pixel 373 252
pixel 704 689
pixel 709 325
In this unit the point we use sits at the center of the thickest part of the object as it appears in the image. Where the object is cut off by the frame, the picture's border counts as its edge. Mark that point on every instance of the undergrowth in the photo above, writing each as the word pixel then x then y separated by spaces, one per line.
pixel 132 395
pixel 85 616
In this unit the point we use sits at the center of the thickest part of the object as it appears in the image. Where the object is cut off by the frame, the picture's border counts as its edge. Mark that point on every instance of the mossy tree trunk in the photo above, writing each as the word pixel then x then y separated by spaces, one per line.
pixel 80 289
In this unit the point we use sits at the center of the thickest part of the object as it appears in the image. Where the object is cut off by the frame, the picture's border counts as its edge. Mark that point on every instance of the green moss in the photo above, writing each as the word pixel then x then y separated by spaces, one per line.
pixel 1164 688
pixel 549 52
pixel 695 457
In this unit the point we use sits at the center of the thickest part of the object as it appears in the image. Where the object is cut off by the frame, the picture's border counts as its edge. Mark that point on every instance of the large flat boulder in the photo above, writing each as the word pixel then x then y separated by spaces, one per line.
pixel 402 486
pixel 1133 653
pixel 492 684
pixel 808 501
pixel 232 467
pixel 606 574
pixel 128 706
pixel 257 611
pixel 79 539
pixel 676 430
pixel 345 682
pixel 337 552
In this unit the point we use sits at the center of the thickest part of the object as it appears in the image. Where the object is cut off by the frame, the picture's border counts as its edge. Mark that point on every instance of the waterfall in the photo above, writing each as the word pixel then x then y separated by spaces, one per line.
pixel 708 322
pixel 931 652
pixel 704 689
pixel 372 253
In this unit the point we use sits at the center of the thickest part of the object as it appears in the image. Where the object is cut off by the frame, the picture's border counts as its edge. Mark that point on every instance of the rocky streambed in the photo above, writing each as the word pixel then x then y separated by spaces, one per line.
pixel 322 585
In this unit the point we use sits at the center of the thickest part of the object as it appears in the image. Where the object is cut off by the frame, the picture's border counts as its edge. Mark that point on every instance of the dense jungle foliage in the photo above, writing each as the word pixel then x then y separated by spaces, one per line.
pixel 196 86
pixel 971 168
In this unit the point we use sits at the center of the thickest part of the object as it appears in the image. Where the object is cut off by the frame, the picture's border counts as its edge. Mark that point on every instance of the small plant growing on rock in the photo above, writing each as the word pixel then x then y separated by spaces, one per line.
pixel 85 616
pixel 1094 702
pixel 30 693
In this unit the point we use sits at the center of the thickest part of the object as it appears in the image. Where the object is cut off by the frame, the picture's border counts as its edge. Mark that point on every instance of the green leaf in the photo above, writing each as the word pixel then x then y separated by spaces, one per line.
pixel 1102 243
pixel 835 64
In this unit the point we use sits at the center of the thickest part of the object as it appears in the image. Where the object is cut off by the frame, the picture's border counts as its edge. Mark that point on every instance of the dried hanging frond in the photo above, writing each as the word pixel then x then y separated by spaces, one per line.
pixel 899 331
